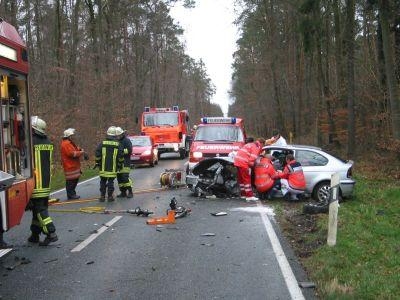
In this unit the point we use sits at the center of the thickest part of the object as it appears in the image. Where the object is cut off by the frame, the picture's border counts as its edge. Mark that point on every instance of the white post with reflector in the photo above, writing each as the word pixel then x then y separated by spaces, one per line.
pixel 333 209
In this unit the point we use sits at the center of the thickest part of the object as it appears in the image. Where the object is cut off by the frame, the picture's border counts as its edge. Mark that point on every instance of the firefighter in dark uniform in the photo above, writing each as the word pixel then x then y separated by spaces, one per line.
pixel 109 159
pixel 43 159
pixel 124 182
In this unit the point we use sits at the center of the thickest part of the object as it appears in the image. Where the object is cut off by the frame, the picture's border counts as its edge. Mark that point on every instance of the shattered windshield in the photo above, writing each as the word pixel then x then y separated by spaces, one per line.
pixel 219 133
pixel 140 141
pixel 161 119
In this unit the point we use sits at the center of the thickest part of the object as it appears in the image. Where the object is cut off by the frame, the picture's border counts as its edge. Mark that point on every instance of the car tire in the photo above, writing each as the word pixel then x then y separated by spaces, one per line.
pixel 321 192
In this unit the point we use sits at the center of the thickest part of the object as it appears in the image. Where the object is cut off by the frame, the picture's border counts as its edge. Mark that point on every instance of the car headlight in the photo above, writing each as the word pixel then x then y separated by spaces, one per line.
pixel 147 152
pixel 176 147
pixel 197 154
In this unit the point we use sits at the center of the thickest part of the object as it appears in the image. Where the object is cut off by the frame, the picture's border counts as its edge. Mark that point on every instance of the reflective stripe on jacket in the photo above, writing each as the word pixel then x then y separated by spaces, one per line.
pixel 43 160
pixel 263 173
pixel 70 158
pixel 109 157
pixel 293 172
pixel 246 156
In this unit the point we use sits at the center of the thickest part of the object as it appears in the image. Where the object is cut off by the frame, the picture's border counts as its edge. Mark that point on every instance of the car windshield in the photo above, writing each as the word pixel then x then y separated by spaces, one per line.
pixel 140 141
pixel 161 119
pixel 219 133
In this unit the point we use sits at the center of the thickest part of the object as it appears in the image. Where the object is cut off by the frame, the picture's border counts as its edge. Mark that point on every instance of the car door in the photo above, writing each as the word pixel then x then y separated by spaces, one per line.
pixel 314 167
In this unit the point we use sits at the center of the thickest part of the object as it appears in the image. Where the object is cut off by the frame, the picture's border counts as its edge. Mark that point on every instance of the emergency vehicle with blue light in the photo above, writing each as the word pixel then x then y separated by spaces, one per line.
pixel 16 164
pixel 169 129
pixel 216 137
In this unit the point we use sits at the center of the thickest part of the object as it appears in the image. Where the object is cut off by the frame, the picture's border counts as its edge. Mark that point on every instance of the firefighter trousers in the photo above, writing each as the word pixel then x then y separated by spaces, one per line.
pixel 41 221
pixel 107 186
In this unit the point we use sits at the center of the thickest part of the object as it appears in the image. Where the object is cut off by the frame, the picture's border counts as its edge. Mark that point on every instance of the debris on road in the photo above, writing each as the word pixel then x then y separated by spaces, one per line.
pixel 90 262
pixel 50 260
pixel 218 214
pixel 208 234
pixel 306 284
pixel 207 244
pixel 18 261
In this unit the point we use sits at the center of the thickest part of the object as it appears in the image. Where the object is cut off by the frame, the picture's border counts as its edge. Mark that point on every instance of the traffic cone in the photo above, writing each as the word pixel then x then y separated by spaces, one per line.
pixel 169 219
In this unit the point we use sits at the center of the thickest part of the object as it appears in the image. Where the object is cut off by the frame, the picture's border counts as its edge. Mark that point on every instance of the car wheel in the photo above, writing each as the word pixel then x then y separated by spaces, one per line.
pixel 322 192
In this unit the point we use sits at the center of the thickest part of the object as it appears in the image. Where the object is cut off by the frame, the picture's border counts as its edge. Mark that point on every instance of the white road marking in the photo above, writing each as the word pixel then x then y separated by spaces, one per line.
pixel 290 279
pixel 92 237
pixel 4 251
pixel 63 189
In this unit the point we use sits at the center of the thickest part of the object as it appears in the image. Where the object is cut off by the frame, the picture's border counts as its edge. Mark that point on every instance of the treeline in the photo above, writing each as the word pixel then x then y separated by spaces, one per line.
pixel 96 63
pixel 327 71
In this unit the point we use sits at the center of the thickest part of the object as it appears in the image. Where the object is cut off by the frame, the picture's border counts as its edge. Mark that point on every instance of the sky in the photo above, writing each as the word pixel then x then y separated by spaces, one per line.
pixel 210 35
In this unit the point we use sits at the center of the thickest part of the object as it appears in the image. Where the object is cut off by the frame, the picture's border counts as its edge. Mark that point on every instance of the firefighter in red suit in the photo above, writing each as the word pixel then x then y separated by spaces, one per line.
pixel 71 155
pixel 244 161
pixel 292 178
pixel 265 173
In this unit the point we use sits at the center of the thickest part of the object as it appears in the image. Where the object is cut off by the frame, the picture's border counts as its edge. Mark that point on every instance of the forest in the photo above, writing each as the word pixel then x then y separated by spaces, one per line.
pixel 324 72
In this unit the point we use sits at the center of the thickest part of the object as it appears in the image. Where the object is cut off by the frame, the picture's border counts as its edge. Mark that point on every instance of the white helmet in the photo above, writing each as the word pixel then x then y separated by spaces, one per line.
pixel 38 124
pixel 112 131
pixel 68 132
pixel 119 131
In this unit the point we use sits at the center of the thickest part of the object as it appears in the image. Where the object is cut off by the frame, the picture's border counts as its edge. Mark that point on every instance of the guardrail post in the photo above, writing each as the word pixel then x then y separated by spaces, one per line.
pixel 333 209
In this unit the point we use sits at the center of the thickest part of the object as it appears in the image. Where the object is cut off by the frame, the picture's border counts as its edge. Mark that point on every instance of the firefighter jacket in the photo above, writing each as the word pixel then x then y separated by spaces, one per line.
pixel 109 157
pixel 293 172
pixel 43 161
pixel 263 173
pixel 246 156
pixel 127 148
pixel 70 158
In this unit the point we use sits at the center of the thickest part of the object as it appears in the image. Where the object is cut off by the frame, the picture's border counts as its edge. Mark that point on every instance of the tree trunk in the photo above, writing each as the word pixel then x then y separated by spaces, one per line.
pixel 389 68
pixel 350 36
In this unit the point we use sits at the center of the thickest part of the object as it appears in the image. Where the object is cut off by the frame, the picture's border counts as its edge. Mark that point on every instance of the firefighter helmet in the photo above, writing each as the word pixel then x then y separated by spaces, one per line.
pixel 68 132
pixel 119 131
pixel 38 124
pixel 112 131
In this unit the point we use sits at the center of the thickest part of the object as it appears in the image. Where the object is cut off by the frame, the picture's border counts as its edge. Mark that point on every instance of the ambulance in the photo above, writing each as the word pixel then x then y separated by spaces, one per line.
pixel 216 137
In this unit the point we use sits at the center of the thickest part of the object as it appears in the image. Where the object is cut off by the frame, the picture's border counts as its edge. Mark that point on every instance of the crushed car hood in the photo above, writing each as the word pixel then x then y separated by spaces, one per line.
pixel 200 167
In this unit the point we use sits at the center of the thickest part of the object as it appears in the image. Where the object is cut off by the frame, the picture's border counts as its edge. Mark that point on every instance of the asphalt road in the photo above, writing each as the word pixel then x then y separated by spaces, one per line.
pixel 119 256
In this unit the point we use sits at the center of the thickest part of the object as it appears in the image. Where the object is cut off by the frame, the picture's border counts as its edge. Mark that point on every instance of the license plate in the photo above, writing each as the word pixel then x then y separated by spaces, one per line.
pixel 135 158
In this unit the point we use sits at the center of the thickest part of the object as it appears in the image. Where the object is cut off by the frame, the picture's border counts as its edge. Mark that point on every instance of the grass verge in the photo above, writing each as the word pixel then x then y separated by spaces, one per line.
pixel 365 263
pixel 58 178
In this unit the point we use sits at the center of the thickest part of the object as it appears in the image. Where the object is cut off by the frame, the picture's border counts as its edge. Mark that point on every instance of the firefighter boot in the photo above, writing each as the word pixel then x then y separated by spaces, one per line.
pixel 122 194
pixel 130 193
pixel 50 238
pixel 110 198
pixel 34 238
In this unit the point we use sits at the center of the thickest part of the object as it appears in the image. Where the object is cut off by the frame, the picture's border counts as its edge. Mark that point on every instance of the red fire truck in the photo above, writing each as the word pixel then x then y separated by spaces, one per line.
pixel 215 137
pixel 16 173
pixel 169 129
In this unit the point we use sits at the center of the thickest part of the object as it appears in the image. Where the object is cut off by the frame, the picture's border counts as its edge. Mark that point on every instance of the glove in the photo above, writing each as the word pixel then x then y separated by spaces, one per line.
pixel 85 156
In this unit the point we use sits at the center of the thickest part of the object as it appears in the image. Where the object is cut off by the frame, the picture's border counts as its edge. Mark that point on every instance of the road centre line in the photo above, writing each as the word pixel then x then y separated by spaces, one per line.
pixel 290 279
pixel 93 236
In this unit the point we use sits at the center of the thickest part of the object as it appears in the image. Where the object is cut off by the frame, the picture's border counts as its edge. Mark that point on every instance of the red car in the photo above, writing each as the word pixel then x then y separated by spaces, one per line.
pixel 144 151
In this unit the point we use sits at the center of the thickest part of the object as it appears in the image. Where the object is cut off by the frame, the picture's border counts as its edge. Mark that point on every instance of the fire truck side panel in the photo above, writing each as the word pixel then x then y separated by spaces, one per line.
pixel 16 166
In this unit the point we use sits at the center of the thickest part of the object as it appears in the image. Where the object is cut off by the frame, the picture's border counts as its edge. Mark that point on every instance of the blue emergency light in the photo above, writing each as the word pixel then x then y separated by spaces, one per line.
pixel 218 120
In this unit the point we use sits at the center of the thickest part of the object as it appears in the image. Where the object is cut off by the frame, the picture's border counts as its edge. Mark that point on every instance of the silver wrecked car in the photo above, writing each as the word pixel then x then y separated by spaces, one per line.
pixel 318 167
